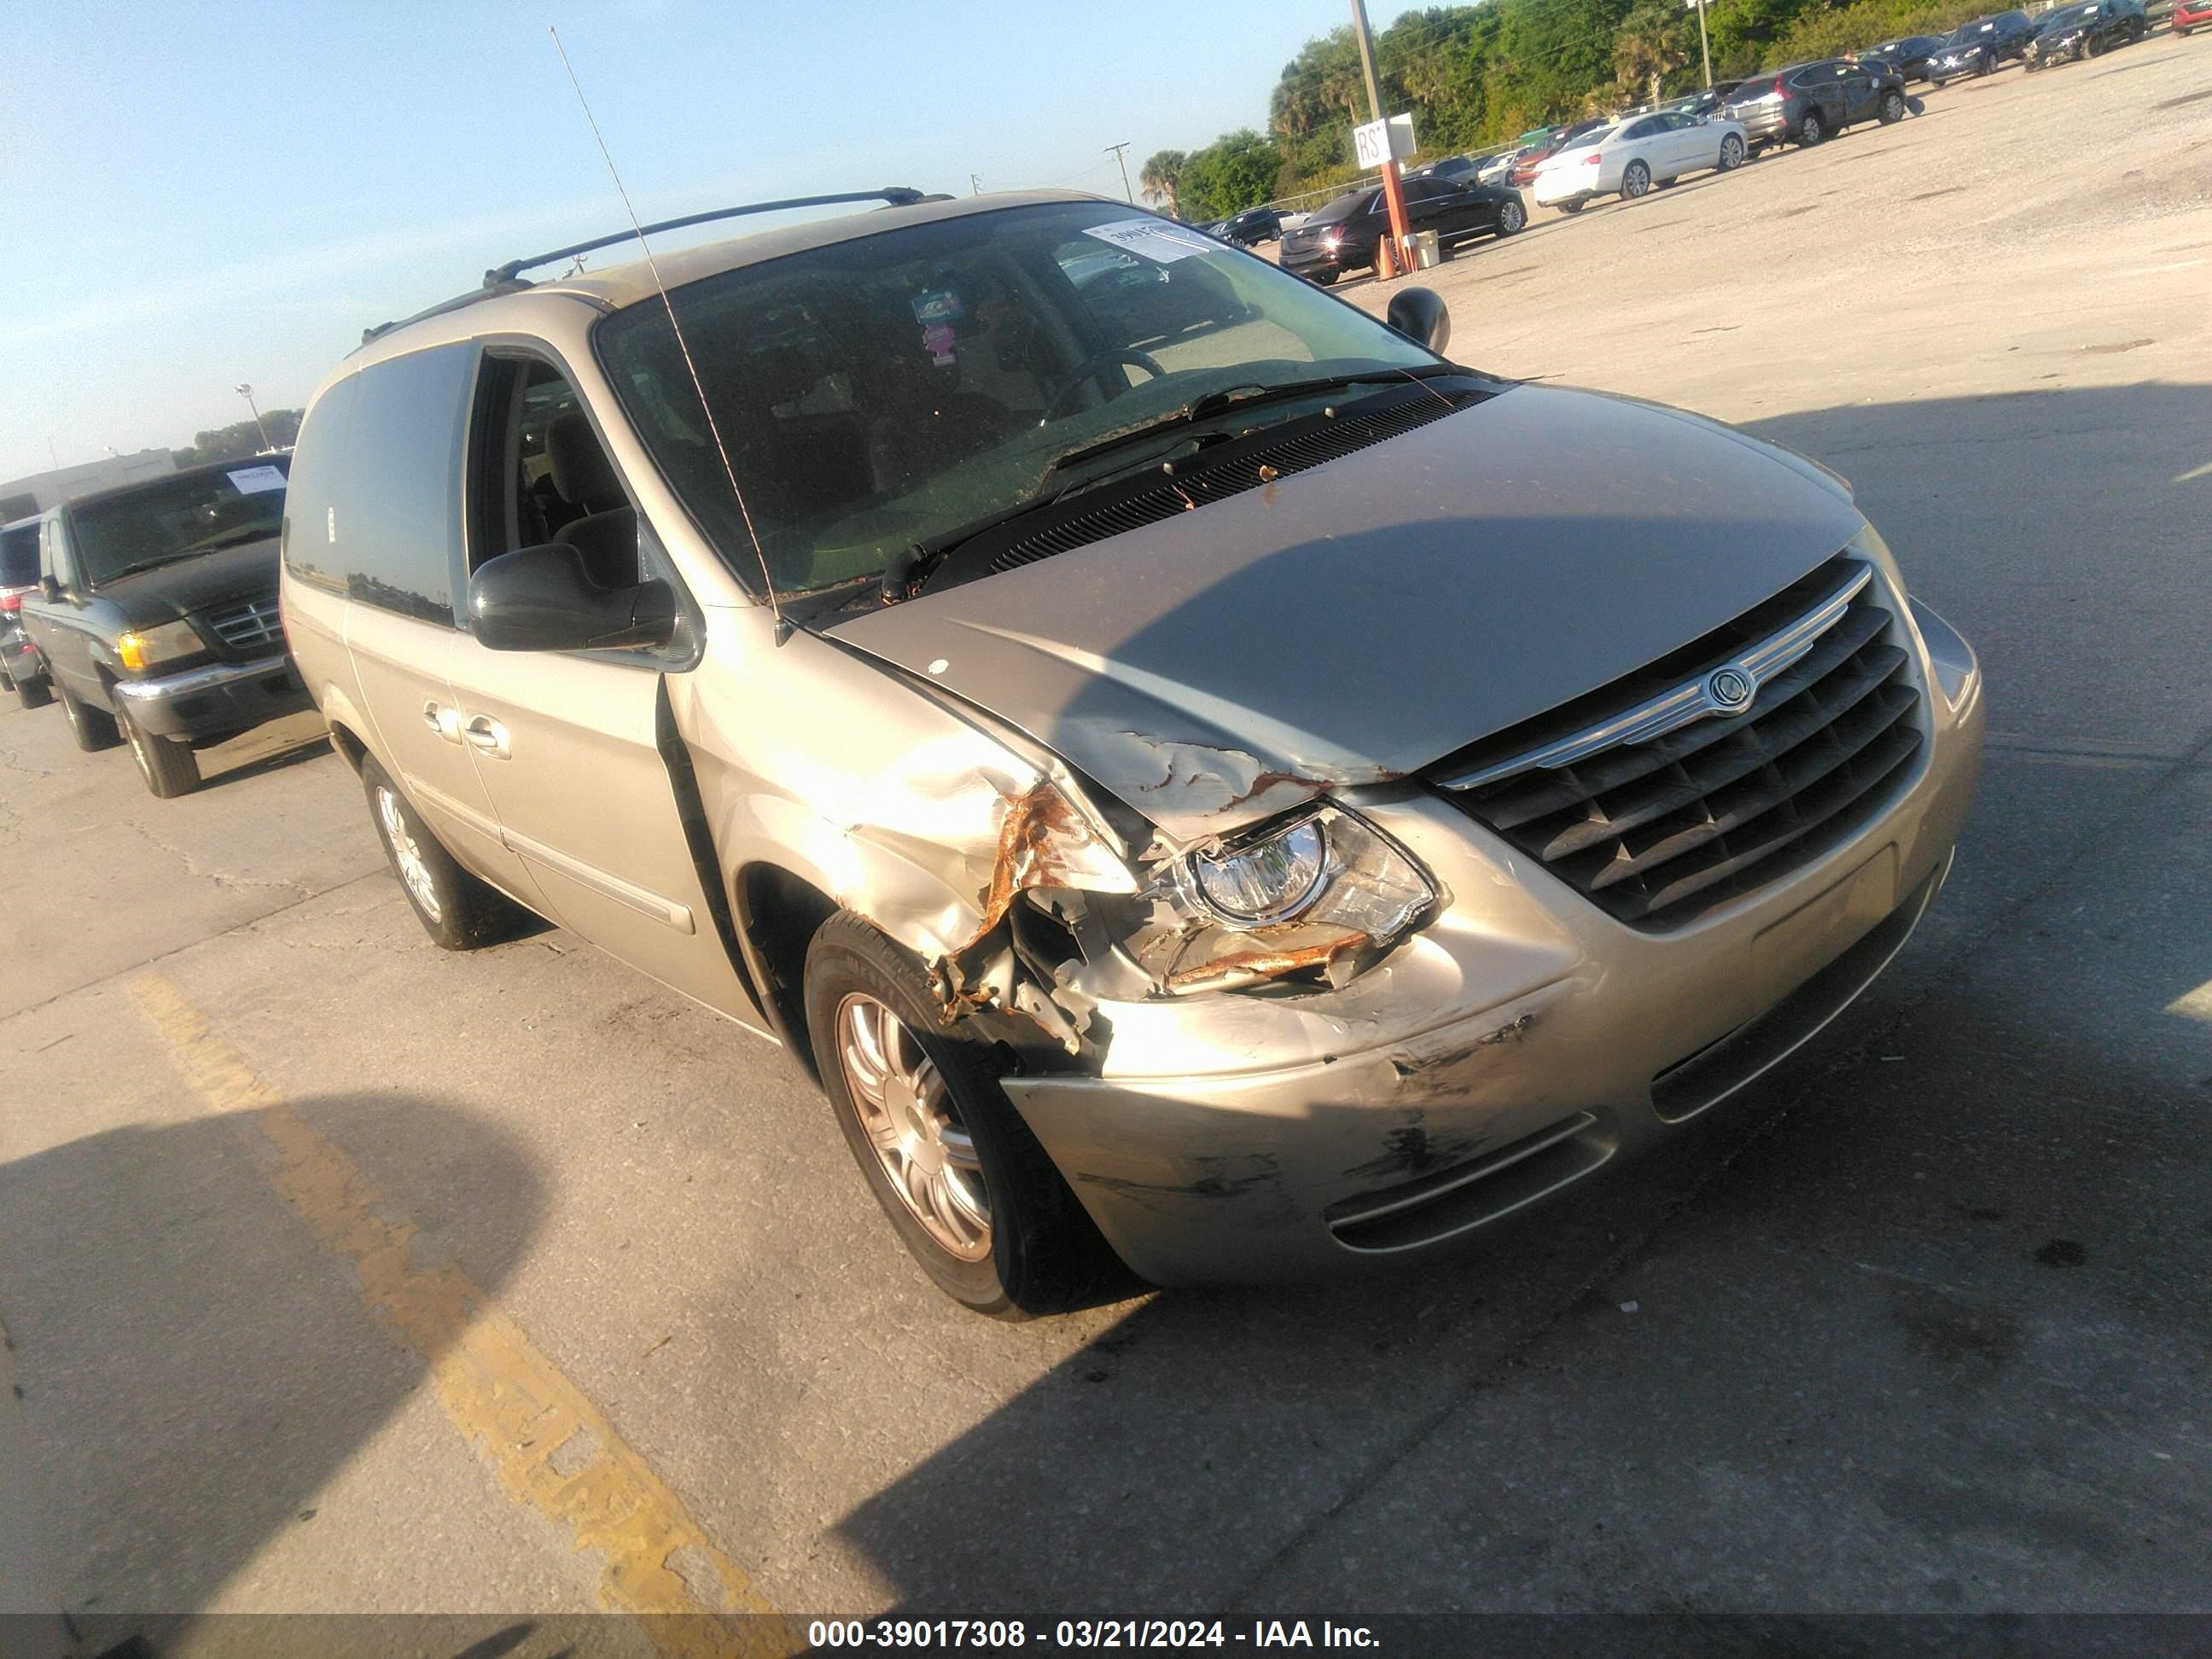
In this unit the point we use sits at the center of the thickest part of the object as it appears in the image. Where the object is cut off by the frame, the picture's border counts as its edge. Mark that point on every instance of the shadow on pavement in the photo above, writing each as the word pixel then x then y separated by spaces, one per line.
pixel 1915 1324
pixel 195 1366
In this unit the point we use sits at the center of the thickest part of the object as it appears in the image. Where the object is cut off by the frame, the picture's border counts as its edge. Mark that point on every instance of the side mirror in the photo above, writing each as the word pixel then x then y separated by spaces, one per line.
pixel 1420 313
pixel 50 590
pixel 539 598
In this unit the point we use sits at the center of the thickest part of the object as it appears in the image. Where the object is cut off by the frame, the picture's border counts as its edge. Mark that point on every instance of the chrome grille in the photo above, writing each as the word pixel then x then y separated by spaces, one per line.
pixel 243 627
pixel 1656 803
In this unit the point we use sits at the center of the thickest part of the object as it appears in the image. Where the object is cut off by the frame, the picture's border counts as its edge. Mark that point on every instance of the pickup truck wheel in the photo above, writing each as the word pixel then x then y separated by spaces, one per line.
pixel 170 768
pixel 33 694
pixel 93 728
pixel 971 1194
pixel 457 911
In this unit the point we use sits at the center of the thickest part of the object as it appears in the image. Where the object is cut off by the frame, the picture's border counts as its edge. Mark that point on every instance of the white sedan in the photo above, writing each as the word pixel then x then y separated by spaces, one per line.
pixel 1627 159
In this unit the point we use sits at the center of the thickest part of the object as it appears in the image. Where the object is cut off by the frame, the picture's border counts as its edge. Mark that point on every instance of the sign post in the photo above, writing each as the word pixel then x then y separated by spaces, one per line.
pixel 1383 143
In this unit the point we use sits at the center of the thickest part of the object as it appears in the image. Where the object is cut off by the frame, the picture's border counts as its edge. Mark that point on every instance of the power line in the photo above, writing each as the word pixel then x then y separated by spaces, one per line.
pixel 1119 152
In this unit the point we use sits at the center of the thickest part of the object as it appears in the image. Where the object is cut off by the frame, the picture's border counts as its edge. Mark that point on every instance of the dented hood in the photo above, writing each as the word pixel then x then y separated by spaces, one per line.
pixel 1359 621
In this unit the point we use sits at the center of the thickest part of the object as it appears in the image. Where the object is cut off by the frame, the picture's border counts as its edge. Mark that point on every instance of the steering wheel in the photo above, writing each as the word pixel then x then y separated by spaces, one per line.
pixel 1091 366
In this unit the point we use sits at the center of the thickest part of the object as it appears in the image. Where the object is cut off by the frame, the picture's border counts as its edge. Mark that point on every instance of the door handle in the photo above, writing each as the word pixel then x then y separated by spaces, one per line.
pixel 486 736
pixel 445 722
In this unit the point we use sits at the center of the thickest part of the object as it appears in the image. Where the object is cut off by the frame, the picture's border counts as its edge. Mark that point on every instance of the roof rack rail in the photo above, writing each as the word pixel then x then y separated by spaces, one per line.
pixel 508 278
pixel 895 196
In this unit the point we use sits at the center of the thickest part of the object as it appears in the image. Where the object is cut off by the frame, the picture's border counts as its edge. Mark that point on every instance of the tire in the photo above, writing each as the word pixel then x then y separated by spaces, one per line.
pixel 1512 218
pixel 1575 206
pixel 33 694
pixel 2094 47
pixel 1635 182
pixel 994 1225
pixel 1811 130
pixel 457 911
pixel 1985 65
pixel 1892 108
pixel 1325 279
pixel 1732 156
pixel 94 729
pixel 169 768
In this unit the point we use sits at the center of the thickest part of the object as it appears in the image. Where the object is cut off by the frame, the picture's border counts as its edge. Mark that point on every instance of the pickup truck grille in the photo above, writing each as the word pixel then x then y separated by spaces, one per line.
pixel 1656 802
pixel 243 627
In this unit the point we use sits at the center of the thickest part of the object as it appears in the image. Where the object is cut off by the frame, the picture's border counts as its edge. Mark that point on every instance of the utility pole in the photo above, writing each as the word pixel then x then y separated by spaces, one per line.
pixel 974 184
pixel 246 392
pixel 1704 45
pixel 1385 264
pixel 1119 153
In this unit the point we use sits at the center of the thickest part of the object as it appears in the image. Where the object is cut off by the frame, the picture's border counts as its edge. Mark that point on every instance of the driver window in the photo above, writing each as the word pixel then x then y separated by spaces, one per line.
pixel 539 474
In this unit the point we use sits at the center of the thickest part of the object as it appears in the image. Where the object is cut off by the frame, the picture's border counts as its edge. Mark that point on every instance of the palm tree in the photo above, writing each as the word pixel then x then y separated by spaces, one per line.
pixel 1161 179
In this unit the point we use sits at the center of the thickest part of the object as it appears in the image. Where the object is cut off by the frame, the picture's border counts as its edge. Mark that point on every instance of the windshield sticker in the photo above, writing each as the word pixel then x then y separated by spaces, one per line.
pixel 938 306
pixel 939 340
pixel 252 480
pixel 1154 239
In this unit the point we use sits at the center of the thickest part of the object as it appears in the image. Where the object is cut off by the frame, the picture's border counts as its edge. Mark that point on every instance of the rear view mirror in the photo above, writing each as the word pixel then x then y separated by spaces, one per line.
pixel 539 598
pixel 1420 313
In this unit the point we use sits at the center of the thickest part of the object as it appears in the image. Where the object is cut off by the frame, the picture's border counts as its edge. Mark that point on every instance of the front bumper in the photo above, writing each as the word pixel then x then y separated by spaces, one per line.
pixel 1524 1041
pixel 217 701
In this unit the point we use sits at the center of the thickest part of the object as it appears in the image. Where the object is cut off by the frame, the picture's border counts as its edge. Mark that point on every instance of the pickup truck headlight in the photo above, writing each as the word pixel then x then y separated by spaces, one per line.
pixel 1319 895
pixel 140 649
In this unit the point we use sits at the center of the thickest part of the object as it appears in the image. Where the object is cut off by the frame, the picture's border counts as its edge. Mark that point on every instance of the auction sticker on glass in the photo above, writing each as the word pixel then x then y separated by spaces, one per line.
pixel 1154 239
pixel 252 480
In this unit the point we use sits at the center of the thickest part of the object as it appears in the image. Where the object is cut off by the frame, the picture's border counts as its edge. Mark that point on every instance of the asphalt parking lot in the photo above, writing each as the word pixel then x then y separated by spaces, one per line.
pixel 344 1274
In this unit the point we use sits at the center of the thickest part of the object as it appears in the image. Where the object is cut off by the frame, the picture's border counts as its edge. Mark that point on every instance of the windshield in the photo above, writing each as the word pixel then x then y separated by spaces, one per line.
pixel 2068 18
pixel 1970 32
pixel 888 390
pixel 178 518
pixel 1344 207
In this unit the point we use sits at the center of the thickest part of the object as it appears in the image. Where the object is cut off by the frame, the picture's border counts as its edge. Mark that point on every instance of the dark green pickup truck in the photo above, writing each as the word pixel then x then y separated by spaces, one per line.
pixel 156 614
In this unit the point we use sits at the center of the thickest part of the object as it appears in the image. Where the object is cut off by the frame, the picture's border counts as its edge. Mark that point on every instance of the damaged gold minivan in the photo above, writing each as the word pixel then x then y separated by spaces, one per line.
pixel 1202 778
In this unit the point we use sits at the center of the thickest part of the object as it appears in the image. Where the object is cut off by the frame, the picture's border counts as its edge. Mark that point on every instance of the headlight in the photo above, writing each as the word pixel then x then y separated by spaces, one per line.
pixel 1319 895
pixel 142 648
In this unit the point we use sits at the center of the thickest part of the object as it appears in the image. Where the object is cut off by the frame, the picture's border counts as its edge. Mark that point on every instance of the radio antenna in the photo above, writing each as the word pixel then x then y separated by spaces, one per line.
pixel 713 428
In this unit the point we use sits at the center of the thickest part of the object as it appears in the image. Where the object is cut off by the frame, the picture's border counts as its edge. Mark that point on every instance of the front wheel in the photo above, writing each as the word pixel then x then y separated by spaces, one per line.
pixel 457 911
pixel 169 768
pixel 1892 108
pixel 970 1192
pixel 1731 154
pixel 94 729
pixel 1575 206
pixel 1511 217
pixel 2094 47
pixel 1635 182
pixel 1985 65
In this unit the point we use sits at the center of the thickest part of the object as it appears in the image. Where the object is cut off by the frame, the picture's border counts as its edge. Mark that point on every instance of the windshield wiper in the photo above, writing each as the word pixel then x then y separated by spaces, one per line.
pixel 1222 399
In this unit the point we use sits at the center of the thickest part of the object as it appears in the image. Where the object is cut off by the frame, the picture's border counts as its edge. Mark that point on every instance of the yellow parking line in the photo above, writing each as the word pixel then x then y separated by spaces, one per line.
pixel 525 1420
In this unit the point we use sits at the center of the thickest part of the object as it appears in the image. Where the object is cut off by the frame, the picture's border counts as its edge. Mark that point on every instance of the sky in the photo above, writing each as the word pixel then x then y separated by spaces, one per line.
pixel 201 195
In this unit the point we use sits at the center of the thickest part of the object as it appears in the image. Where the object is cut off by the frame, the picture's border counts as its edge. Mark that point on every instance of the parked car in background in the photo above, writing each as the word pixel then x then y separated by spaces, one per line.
pixel 2188 16
pixel 1980 47
pixel 1807 103
pixel 1632 158
pixel 1344 235
pixel 939 734
pixel 1908 57
pixel 2088 29
pixel 1217 228
pixel 1707 102
pixel 156 614
pixel 22 669
pixel 1253 226
pixel 1461 168
pixel 1546 142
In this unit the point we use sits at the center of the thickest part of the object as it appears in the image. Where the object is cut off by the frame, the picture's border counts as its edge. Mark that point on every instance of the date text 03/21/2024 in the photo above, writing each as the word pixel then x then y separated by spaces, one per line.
pixel 1002 1633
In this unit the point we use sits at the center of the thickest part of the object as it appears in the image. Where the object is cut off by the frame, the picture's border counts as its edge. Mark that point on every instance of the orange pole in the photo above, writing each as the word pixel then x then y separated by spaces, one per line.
pixel 1394 194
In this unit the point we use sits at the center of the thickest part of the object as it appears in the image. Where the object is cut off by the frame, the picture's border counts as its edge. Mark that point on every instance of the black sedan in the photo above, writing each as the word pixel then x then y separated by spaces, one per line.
pixel 1344 235
pixel 1978 47
pixel 1907 58
pixel 1252 227
pixel 2087 30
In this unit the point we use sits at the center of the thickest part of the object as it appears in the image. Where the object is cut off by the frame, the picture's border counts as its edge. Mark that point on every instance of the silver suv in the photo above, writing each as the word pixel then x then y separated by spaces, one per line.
pixel 1206 783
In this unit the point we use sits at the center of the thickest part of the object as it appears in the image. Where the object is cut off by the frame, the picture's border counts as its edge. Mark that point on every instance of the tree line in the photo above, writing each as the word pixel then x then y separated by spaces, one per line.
pixel 1476 76
pixel 241 439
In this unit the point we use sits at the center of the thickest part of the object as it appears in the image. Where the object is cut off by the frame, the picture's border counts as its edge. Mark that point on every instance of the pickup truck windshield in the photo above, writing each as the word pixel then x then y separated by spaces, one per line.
pixel 178 518
pixel 879 393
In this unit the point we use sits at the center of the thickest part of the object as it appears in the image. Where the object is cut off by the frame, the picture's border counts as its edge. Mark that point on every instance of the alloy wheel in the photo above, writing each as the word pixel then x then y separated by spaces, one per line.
pixel 421 886
pixel 1510 217
pixel 908 1114
pixel 1731 153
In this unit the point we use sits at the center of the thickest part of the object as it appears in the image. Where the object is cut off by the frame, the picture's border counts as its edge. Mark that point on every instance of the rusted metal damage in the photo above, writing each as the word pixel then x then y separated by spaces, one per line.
pixel 1411 1149
pixel 1260 962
